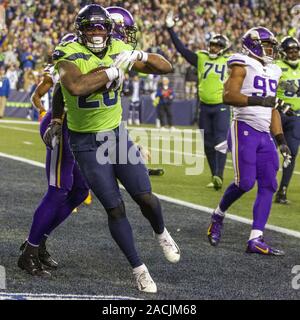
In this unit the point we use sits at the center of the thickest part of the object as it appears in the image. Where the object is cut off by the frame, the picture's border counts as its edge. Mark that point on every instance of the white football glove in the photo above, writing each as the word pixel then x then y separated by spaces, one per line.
pixel 116 77
pixel 126 59
pixel 170 21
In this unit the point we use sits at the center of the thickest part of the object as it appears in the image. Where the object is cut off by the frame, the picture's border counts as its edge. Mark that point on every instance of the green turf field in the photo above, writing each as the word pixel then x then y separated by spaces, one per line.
pixel 23 140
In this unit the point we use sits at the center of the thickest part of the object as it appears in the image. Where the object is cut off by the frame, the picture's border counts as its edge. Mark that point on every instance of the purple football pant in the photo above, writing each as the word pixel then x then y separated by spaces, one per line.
pixel 67 188
pixel 254 159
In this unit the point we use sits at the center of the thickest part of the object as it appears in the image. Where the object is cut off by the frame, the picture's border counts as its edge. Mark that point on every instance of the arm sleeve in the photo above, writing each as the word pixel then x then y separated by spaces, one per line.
pixel 57 102
pixel 189 55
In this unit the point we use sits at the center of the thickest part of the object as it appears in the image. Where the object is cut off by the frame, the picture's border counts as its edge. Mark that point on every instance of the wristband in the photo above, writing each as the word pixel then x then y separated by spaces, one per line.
pixel 112 73
pixel 256 101
pixel 280 139
pixel 144 56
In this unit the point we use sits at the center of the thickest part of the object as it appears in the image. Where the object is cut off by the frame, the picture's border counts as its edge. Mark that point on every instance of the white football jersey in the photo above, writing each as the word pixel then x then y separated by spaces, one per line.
pixel 260 81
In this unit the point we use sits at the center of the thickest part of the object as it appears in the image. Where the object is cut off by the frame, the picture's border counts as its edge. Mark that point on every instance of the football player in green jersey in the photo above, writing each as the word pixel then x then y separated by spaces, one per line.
pixel 214 115
pixel 290 93
pixel 102 148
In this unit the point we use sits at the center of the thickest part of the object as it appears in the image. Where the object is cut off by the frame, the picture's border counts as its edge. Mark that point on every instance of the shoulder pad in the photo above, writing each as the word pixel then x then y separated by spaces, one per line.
pixel 237 58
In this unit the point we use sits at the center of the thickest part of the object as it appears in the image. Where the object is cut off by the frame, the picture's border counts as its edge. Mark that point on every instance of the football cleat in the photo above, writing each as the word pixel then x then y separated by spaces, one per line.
pixel 259 246
pixel 144 281
pixel 46 258
pixel 217 182
pixel 88 199
pixel 169 246
pixel 156 172
pixel 31 263
pixel 281 196
pixel 210 185
pixel 214 229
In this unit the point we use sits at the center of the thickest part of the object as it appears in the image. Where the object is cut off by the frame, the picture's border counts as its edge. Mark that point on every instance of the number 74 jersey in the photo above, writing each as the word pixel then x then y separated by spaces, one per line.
pixel 291 76
pixel 261 80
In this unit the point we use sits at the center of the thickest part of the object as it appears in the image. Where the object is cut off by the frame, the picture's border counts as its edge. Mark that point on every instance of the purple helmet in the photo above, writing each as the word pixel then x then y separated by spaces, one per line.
pixel 125 29
pixel 255 40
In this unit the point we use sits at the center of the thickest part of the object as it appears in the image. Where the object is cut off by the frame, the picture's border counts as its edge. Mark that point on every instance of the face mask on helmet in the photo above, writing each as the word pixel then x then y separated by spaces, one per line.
pixel 124 26
pixel 95 35
pixel 290 51
pixel 218 46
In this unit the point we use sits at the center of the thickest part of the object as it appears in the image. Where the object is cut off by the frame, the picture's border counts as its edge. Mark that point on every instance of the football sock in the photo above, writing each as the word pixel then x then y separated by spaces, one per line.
pixel 45 214
pixel 262 207
pixel 232 193
pixel 121 232
pixel 255 234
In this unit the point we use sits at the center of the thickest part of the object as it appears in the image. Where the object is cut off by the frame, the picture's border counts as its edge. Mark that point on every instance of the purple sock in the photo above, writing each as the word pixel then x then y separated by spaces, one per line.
pixel 262 207
pixel 232 193
pixel 121 232
pixel 75 198
pixel 45 214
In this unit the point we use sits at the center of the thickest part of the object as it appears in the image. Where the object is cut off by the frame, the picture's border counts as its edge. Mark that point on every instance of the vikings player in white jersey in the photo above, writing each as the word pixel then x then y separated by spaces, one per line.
pixel 251 89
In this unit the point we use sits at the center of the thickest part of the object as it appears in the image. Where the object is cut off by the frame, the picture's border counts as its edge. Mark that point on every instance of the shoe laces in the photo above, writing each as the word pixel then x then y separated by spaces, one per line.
pixel 144 278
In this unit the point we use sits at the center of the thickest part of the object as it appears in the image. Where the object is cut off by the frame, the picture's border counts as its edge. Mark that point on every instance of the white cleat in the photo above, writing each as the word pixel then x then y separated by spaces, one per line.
pixel 169 246
pixel 144 281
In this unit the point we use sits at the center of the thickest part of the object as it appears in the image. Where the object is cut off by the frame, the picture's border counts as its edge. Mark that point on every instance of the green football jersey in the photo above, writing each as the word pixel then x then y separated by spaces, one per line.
pixel 212 74
pixel 97 111
pixel 292 76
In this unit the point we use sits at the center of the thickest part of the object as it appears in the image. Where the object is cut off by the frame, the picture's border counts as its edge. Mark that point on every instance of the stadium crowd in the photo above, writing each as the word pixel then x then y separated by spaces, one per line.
pixel 34 27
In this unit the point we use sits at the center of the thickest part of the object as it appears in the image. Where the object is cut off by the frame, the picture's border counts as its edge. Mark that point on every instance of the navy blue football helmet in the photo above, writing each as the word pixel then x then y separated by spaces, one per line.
pixel 94 27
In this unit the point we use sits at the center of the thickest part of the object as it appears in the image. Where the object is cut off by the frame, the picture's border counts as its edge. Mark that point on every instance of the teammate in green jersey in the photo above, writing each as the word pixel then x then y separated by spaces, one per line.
pixel 102 148
pixel 289 91
pixel 214 116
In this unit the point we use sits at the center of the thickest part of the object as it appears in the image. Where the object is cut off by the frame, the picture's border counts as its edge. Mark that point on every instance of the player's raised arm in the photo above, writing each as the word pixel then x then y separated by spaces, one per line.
pixel 189 55
pixel 79 84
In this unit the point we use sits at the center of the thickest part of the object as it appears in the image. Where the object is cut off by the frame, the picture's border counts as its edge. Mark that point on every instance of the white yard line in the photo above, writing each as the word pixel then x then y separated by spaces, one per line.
pixel 208 210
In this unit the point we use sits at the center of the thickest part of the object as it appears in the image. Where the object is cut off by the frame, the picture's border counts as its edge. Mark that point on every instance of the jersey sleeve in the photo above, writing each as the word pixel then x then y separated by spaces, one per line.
pixel 237 59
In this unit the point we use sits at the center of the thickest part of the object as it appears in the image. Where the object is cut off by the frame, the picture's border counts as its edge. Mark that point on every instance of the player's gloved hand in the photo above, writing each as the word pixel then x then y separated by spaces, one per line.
pixel 116 77
pixel 126 59
pixel 53 133
pixel 287 110
pixel 170 21
pixel 286 153
pixel 145 153
pixel 284 149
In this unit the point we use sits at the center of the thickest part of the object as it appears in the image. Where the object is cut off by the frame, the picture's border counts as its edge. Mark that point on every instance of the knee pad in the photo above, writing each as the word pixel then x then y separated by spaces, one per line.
pixel 116 213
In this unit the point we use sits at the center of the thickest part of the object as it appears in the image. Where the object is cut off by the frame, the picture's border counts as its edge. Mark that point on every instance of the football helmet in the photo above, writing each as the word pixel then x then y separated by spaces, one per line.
pixel 221 41
pixel 290 50
pixel 94 27
pixel 260 43
pixel 125 28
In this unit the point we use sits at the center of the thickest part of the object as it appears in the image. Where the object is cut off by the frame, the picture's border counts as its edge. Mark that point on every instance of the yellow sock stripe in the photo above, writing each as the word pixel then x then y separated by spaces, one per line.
pixel 237 153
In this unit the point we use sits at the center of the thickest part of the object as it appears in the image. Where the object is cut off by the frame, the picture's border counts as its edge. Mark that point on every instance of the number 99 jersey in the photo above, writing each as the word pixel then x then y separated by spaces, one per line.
pixel 97 111
pixel 291 76
pixel 260 80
